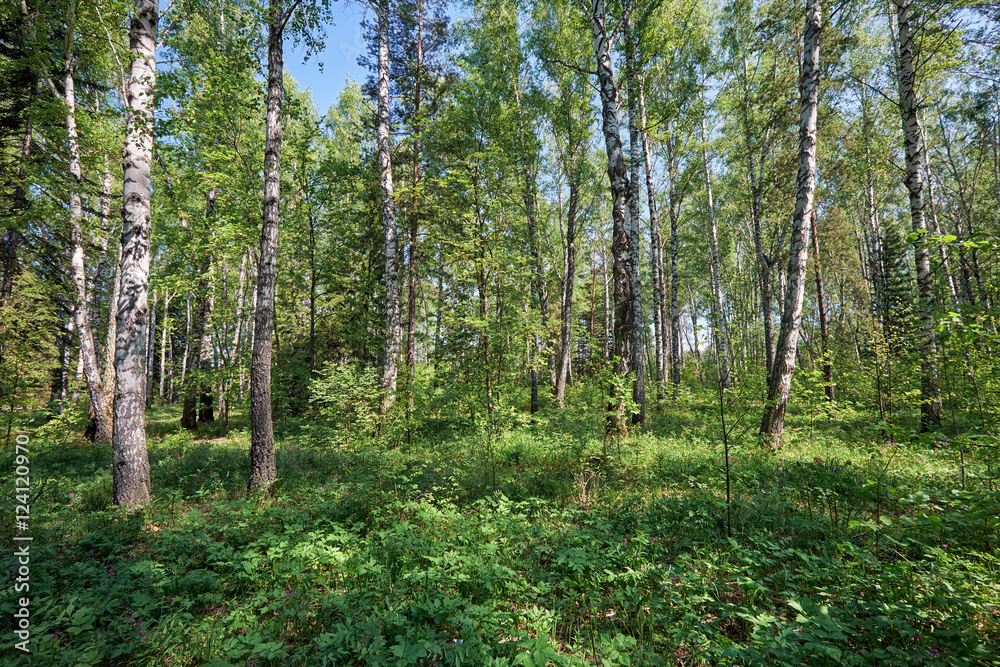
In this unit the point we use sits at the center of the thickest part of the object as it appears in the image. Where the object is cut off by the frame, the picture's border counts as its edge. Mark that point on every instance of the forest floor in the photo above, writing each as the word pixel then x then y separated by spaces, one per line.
pixel 531 544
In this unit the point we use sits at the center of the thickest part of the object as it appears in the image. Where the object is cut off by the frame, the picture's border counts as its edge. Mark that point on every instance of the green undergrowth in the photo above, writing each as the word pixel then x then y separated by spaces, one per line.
pixel 538 543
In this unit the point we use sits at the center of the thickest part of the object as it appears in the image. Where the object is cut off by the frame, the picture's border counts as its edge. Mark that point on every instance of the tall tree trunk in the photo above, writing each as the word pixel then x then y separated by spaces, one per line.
pixel 569 277
pixel 635 166
pixel 608 337
pixel 930 394
pixel 824 327
pixel 199 337
pixel 621 245
pixel 414 231
pixel 393 334
pixel 780 381
pixel 656 250
pixel 101 408
pixel 131 463
pixel 945 264
pixel 675 308
pixel 164 330
pixel 755 169
pixel 101 281
pixel 262 465
pixel 539 290
pixel 390 348
pixel 719 329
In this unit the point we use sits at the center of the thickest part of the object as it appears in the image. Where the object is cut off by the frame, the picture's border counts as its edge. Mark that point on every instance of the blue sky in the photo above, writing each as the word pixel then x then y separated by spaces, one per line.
pixel 344 43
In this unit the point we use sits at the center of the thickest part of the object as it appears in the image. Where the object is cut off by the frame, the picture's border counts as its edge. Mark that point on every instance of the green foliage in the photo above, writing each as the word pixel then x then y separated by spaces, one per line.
pixel 348 397
pixel 543 551
pixel 28 326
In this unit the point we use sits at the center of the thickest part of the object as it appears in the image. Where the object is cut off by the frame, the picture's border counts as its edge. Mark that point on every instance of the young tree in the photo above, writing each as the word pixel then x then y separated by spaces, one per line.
pixel 571 116
pixel 131 463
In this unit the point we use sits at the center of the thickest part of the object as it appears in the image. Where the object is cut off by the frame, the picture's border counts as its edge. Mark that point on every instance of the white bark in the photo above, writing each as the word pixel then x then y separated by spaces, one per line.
pixel 393 333
pixel 263 471
pixel 720 331
pixel 621 246
pixel 131 464
pixel 930 406
pixel 780 381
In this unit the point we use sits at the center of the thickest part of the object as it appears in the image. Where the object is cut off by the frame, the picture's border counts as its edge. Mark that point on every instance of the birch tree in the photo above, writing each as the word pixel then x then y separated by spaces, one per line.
pixel 634 207
pixel 100 401
pixel 621 245
pixel 780 380
pixel 131 463
pixel 390 350
pixel 262 466
pixel 930 394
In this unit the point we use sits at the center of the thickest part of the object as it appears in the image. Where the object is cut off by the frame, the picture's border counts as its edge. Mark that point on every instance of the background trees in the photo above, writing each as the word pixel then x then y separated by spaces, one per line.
pixel 487 129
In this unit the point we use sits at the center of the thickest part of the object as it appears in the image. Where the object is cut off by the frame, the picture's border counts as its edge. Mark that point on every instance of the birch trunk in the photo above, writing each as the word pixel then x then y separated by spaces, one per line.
pixel 569 277
pixel 755 169
pixel 949 277
pixel 390 348
pixel 635 165
pixel 824 327
pixel 263 471
pixel 621 245
pixel 780 381
pixel 101 408
pixel 720 331
pixel 930 405
pixel 131 463
pixel 164 328
pixel 675 308
pixel 656 250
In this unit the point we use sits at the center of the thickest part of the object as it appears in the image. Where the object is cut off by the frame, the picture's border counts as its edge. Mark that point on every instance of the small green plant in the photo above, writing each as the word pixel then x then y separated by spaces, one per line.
pixel 347 396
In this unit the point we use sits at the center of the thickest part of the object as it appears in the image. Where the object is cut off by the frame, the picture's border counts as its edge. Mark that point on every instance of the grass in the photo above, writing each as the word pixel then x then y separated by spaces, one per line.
pixel 530 544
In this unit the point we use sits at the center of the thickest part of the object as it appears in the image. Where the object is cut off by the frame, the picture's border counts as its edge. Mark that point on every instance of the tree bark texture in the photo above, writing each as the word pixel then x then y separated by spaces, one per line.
pixel 780 381
pixel 262 464
pixel 621 244
pixel 569 277
pixel 824 326
pixel 930 395
pixel 414 230
pixel 635 166
pixel 755 169
pixel 92 372
pixel 393 333
pixel 131 463
pixel 720 331
pixel 572 160
pixel 656 250
pixel 675 308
